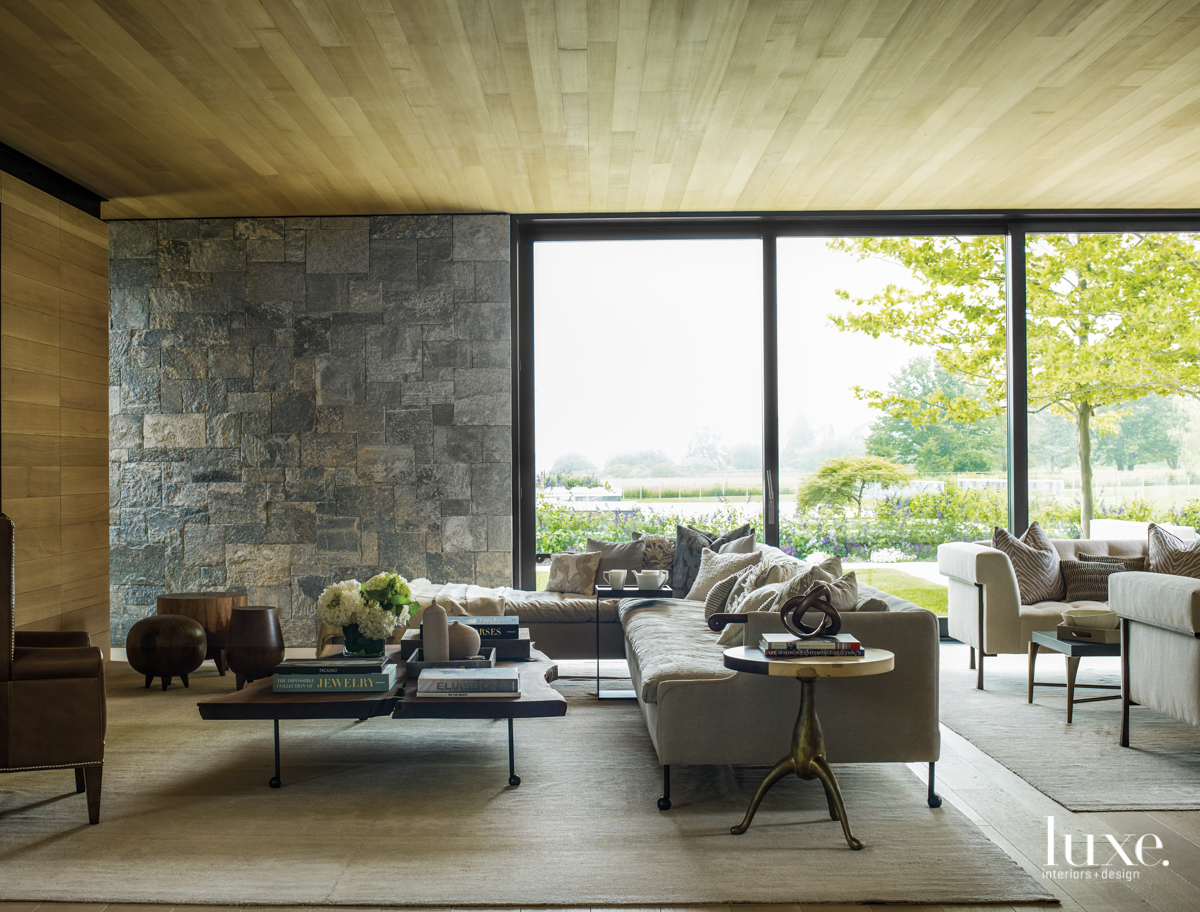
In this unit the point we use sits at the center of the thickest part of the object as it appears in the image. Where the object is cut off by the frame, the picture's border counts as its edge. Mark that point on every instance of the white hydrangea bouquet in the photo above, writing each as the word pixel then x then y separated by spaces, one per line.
pixel 367 612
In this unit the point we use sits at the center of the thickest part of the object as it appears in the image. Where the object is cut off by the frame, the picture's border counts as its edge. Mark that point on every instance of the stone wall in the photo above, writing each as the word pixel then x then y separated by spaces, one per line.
pixel 303 399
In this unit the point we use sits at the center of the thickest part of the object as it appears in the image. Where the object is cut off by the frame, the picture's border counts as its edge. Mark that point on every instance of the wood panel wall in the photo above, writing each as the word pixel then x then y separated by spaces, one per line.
pixel 54 408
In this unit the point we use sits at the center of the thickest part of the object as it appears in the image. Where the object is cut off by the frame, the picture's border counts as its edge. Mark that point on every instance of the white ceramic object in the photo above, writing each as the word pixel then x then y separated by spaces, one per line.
pixel 651 579
pixel 435 643
pixel 1095 618
pixel 463 641
pixel 616 578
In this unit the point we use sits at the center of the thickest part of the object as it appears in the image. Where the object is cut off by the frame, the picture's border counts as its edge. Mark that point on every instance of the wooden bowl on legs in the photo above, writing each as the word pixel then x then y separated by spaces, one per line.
pixel 254 643
pixel 166 646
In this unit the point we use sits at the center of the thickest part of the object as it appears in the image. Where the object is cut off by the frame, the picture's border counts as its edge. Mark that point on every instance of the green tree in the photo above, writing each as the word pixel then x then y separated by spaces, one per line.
pixel 947 446
pixel 1147 432
pixel 706 452
pixel 843 480
pixel 1111 318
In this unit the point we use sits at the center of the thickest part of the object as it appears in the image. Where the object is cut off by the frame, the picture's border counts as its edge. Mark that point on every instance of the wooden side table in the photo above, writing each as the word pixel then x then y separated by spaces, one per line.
pixel 1073 651
pixel 212 610
pixel 807 756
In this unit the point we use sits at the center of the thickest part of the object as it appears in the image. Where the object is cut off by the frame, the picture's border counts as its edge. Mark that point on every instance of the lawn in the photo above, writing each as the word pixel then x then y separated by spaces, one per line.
pixel 906 586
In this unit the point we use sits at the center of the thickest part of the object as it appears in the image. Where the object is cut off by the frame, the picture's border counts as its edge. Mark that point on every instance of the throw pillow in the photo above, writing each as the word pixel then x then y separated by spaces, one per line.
pixel 740 532
pixel 718 595
pixel 742 545
pixel 659 553
pixel 843 593
pixel 1171 554
pixel 1087 581
pixel 768 597
pixel 872 604
pixel 616 556
pixel 1034 561
pixel 570 572
pixel 1127 563
pixel 715 567
pixel 689 543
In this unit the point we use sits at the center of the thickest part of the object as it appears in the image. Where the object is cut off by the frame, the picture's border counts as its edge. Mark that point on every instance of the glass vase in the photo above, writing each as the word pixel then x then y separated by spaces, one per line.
pixel 355 644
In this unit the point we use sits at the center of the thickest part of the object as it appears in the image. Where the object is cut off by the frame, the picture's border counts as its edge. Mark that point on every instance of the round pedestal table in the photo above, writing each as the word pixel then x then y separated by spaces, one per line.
pixel 212 610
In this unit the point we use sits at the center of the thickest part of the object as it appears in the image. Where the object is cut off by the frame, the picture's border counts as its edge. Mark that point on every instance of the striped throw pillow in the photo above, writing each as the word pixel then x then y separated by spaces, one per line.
pixel 1127 563
pixel 1171 554
pixel 1087 581
pixel 1034 561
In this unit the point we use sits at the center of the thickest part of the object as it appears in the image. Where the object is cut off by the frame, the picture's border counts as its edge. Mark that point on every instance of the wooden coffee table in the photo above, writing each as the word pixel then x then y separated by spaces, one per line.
pixel 1073 651
pixel 258 702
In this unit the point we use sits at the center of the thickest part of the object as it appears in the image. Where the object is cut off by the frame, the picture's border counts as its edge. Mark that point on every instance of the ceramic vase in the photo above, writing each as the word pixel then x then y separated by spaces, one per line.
pixel 435 642
pixel 463 641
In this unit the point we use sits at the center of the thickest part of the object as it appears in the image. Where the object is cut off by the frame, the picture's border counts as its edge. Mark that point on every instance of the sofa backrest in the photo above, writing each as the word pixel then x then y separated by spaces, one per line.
pixel 1070 548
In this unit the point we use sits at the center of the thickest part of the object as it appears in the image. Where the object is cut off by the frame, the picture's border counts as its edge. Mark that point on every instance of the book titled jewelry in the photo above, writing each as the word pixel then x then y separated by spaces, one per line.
pixel 469 682
pixel 350 682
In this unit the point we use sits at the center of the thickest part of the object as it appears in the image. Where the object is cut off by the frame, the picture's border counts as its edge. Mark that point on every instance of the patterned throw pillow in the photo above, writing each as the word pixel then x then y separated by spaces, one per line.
pixel 1171 554
pixel 1087 581
pixel 1034 561
pixel 715 567
pixel 770 596
pixel 718 595
pixel 575 573
pixel 689 547
pixel 616 556
pixel 659 553
pixel 1127 563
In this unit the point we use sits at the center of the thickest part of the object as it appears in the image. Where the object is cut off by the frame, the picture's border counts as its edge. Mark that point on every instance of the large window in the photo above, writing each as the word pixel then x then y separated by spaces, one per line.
pixel 648 385
pixel 857 385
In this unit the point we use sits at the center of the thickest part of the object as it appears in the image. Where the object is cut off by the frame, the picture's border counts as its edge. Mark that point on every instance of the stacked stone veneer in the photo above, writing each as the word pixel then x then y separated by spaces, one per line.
pixel 303 399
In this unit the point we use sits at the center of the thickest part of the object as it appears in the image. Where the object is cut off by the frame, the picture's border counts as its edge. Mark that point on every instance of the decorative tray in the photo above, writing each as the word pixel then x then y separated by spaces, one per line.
pixel 415 664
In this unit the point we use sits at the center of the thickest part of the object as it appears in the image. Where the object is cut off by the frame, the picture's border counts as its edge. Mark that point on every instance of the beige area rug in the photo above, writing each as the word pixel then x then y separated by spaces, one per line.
pixel 1079 765
pixel 419 812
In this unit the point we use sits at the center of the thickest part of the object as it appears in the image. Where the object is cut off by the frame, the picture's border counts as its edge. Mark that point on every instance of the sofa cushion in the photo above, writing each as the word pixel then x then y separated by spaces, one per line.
pixel 557 607
pixel 573 572
pixel 715 567
pixel 1034 561
pixel 685 564
pixel 616 556
pixel 1171 554
pixel 671 642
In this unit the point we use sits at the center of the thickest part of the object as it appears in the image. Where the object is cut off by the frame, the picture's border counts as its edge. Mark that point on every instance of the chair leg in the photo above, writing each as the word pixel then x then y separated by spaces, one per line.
pixel 79 783
pixel 664 803
pixel 935 800
pixel 93 775
pixel 971 666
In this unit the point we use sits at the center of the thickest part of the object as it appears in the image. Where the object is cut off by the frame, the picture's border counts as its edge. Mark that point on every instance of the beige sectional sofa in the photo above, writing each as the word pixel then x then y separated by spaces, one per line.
pixel 699 712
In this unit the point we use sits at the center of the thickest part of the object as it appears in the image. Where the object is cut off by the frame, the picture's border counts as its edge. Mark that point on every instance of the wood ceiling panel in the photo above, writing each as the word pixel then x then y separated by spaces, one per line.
pixel 177 108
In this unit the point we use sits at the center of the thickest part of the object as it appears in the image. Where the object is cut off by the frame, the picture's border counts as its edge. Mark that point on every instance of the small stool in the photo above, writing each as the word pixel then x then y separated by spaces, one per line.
pixel 166 646
pixel 212 610
pixel 255 643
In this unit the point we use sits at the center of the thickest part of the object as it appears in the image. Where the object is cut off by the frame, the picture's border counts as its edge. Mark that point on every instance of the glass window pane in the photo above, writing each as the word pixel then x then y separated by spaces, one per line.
pixel 1113 355
pixel 891 399
pixel 647 385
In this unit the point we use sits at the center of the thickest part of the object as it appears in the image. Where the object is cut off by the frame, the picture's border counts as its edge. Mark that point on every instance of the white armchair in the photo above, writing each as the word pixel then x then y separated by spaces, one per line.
pixel 985 609
pixel 1160 645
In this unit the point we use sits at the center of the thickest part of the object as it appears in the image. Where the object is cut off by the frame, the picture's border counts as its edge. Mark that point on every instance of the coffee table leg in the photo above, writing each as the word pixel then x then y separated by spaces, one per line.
pixel 1072 670
pixel 275 780
pixel 1033 651
pixel 513 778
pixel 806 760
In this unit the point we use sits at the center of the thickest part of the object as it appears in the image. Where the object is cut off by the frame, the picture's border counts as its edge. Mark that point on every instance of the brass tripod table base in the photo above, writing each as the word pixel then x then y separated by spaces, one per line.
pixel 806 758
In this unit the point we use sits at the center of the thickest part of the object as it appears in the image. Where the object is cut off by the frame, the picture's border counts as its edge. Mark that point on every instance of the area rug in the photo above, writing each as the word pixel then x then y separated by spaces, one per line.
pixel 390 812
pixel 1079 765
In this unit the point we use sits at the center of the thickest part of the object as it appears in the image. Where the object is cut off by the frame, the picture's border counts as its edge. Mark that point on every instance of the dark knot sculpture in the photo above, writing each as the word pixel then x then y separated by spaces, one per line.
pixel 818 598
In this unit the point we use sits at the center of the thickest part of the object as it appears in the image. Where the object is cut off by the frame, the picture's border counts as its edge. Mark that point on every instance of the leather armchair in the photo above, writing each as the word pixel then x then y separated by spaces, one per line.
pixel 52 706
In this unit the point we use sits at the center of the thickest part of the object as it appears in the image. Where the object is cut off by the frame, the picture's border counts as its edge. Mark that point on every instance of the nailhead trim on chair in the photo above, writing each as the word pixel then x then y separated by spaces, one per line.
pixel 57 766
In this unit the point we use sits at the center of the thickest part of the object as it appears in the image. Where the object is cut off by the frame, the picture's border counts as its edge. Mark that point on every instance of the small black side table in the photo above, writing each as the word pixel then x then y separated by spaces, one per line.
pixel 627 592
pixel 1073 651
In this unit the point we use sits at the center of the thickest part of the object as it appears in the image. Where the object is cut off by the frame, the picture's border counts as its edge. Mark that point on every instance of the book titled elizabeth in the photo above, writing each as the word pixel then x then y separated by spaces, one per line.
pixel 469 682
pixel 341 682
pixel 499 627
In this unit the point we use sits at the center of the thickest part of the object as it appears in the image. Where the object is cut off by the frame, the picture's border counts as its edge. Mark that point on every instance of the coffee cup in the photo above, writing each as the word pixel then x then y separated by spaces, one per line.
pixel 616 578
pixel 651 579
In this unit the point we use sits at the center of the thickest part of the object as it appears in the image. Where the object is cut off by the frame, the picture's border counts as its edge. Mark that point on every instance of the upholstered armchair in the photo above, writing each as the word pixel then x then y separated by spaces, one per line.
pixel 52 706
pixel 1160 645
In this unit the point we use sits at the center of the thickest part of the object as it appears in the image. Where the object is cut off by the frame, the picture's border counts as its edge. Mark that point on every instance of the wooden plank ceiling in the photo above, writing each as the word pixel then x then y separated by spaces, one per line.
pixel 274 107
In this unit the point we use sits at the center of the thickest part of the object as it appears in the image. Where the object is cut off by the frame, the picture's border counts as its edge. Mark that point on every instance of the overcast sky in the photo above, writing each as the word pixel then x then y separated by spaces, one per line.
pixel 640 343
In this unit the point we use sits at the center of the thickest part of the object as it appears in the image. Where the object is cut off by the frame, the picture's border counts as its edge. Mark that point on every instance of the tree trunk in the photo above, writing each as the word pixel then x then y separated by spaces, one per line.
pixel 1083 424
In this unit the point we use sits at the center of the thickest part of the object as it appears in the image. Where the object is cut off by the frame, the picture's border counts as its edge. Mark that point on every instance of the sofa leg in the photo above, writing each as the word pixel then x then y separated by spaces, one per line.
pixel 935 800
pixel 664 803
pixel 1123 741
pixel 971 666
pixel 92 776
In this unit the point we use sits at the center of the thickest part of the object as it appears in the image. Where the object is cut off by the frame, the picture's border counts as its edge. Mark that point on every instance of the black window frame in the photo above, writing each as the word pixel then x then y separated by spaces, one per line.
pixel 1013 225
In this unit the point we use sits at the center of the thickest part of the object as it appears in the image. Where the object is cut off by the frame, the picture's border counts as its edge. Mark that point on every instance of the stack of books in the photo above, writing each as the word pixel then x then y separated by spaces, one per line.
pixel 342 674
pixel 786 646
pixel 500 627
pixel 469 682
